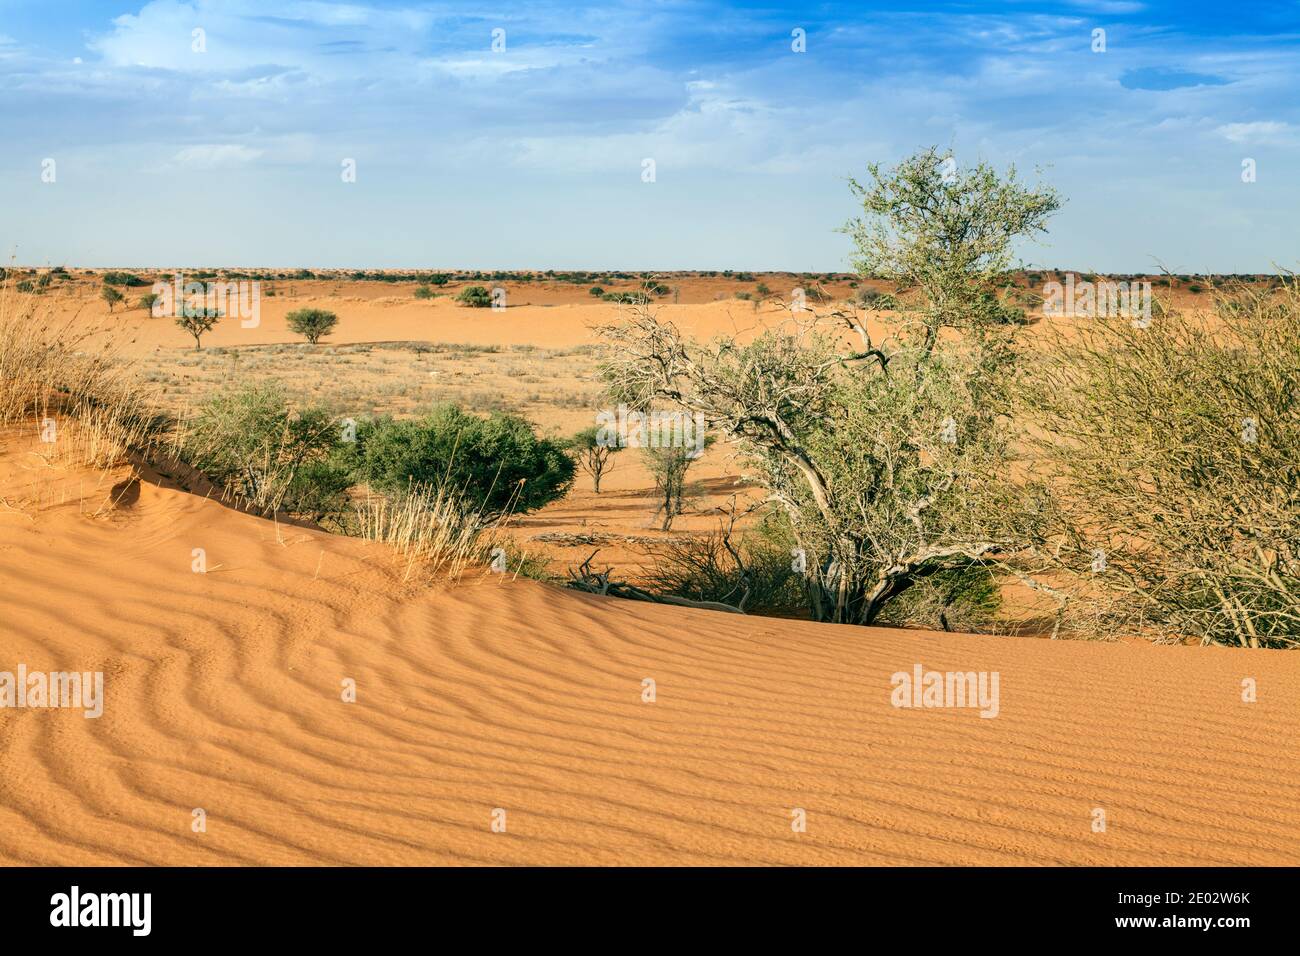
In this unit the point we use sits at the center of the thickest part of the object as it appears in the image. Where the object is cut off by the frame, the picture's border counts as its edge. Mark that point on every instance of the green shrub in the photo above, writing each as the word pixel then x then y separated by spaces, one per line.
pixel 123 278
pixel 702 568
pixel 261 453
pixel 423 292
pixel 966 598
pixel 1175 453
pixel 498 463
pixel 877 300
pixel 475 296
pixel 312 323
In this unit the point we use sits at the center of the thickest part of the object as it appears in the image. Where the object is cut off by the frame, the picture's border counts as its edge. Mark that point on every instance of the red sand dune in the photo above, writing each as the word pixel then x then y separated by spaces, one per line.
pixel 224 693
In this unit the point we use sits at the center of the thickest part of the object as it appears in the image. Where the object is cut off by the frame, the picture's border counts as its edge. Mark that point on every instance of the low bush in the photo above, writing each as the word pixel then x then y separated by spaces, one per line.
pixel 475 296
pixel 498 463
pixel 265 455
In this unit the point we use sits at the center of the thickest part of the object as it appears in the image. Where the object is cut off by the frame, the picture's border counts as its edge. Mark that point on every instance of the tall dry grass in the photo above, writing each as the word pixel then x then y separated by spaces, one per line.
pixel 68 383
pixel 431 528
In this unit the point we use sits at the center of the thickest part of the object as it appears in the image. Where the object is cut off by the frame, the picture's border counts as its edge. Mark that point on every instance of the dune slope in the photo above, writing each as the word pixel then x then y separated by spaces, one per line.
pixel 224 692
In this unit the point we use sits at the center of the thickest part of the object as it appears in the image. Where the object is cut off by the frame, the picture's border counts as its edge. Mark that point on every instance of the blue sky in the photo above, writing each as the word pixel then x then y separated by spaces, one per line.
pixel 532 157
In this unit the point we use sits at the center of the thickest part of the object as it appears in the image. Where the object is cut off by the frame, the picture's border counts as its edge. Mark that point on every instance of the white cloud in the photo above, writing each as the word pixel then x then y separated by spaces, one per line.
pixel 1253 132
pixel 215 156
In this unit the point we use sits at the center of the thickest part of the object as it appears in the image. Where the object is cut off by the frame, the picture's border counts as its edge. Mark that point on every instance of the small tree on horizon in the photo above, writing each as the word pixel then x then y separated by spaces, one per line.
pixel 198 322
pixel 111 296
pixel 311 324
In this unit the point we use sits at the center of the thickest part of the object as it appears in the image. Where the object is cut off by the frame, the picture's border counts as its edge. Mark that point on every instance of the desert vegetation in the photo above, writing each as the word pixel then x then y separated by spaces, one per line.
pixel 1172 455
pixel 313 324
pixel 915 445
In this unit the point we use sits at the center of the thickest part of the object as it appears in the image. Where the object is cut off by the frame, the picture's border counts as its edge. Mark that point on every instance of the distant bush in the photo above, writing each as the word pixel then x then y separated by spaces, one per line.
pixel 626 298
pixel 110 295
pixel 423 292
pixel 596 291
pixel 311 324
pixel 475 296
pixel 497 463
pixel 877 300
pixel 123 278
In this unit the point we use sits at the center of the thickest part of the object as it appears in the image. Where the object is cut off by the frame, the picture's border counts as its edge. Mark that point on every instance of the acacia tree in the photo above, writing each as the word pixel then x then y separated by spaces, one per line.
pixel 197 321
pixel 946 234
pixel 593 456
pixel 668 465
pixel 312 324
pixel 889 459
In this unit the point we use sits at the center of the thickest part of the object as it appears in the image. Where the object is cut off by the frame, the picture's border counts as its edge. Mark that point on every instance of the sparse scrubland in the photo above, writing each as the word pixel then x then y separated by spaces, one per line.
pixel 918 446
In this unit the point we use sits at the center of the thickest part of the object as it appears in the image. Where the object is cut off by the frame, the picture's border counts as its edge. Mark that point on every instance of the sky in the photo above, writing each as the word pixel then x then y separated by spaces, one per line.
pixel 511 135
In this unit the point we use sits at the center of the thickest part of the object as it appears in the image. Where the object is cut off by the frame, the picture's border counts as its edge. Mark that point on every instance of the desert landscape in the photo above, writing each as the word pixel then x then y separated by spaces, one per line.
pixel 498 693
pixel 590 439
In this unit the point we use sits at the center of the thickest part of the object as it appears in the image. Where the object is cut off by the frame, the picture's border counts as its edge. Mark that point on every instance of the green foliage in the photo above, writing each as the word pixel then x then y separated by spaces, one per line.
pixel 498 463
pixel 593 456
pixel 110 295
pixel 703 568
pixel 876 300
pixel 475 296
pixel 123 278
pixel 1175 452
pixel 964 598
pixel 424 292
pixel 312 324
pixel 947 231
pixel 266 456
pixel 197 322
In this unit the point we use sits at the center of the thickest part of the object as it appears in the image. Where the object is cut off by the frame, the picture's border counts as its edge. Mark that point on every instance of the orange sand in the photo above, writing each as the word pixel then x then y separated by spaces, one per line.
pixel 224 693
